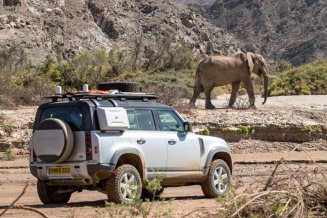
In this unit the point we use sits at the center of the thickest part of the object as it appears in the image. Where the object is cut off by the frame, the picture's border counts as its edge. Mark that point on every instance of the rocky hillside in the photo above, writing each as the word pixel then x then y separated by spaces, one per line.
pixel 64 28
pixel 278 29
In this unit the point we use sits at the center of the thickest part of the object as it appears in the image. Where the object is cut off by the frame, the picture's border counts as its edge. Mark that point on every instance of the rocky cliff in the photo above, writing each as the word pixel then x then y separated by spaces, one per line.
pixel 278 29
pixel 64 28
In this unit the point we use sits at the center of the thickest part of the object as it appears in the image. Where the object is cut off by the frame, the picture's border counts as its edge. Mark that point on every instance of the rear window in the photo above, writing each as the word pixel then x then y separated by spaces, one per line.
pixel 73 116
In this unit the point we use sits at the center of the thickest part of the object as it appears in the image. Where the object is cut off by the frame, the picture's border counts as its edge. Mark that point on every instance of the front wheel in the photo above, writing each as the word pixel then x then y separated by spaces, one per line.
pixel 49 194
pixel 125 185
pixel 218 180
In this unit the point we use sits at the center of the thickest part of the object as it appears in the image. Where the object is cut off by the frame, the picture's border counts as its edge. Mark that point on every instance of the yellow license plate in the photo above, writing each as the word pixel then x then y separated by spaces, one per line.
pixel 59 170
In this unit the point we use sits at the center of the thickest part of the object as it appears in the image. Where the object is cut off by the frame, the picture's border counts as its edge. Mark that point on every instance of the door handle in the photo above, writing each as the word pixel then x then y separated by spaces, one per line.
pixel 171 142
pixel 140 141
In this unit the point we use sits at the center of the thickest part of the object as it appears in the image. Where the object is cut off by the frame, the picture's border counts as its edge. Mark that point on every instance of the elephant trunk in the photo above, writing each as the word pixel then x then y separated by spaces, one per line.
pixel 266 76
pixel 265 84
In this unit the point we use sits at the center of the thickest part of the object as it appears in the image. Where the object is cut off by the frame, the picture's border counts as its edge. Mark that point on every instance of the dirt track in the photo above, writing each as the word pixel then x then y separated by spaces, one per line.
pixel 254 160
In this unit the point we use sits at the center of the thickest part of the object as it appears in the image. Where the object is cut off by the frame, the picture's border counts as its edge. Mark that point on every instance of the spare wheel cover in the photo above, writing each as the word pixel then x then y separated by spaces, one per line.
pixel 53 140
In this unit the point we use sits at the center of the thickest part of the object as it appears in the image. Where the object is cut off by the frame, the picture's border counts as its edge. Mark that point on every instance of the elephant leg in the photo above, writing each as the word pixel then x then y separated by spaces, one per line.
pixel 235 88
pixel 207 92
pixel 248 85
pixel 197 90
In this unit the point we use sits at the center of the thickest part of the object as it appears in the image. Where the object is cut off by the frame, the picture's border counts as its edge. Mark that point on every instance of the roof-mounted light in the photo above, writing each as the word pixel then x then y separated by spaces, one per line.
pixel 85 88
pixel 58 90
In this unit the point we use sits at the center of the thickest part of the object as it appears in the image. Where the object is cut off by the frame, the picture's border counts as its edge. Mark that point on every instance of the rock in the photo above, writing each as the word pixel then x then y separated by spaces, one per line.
pixel 4 145
pixel 61 3
pixel 147 9
pixel 187 20
pixel 19 144
pixel 108 27
pixel 12 18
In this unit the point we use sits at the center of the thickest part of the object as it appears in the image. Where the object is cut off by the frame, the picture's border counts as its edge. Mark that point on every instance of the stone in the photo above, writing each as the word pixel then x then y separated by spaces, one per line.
pixel 4 145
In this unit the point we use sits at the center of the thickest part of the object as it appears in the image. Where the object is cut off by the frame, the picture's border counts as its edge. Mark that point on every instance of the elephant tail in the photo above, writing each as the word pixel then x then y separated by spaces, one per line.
pixel 196 74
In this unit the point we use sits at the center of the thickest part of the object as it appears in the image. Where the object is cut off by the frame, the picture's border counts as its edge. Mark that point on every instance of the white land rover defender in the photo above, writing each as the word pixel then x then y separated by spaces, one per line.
pixel 115 143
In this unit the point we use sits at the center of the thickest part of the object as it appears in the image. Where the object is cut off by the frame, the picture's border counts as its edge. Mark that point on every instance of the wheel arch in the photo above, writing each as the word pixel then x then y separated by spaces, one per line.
pixel 218 153
pixel 129 156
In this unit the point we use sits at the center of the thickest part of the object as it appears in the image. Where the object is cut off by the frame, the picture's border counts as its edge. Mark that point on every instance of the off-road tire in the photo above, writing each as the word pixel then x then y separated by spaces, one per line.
pixel 47 194
pixel 208 188
pixel 113 185
pixel 121 86
pixel 147 194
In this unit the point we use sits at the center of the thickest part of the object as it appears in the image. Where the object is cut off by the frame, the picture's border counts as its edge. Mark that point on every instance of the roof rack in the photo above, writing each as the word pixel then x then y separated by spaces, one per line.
pixel 99 97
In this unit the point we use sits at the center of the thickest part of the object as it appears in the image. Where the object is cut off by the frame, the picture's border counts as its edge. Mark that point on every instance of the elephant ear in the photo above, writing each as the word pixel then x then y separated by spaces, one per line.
pixel 243 57
pixel 249 56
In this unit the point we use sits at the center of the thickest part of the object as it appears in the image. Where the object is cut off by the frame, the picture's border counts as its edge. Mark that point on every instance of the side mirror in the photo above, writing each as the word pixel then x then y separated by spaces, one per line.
pixel 188 127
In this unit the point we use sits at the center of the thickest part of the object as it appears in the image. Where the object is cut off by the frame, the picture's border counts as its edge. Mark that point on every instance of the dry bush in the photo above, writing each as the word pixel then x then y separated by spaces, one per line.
pixel 241 103
pixel 171 96
pixel 300 193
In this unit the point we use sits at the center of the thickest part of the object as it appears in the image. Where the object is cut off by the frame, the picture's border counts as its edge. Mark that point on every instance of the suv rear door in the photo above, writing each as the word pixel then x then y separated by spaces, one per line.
pixel 77 116
pixel 183 147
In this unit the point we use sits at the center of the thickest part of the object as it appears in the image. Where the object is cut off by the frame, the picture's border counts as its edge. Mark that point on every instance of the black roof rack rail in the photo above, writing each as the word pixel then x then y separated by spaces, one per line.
pixel 120 96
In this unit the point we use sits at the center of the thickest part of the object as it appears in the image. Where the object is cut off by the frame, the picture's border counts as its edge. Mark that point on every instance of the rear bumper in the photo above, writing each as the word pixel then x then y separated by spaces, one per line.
pixel 82 173
pixel 100 171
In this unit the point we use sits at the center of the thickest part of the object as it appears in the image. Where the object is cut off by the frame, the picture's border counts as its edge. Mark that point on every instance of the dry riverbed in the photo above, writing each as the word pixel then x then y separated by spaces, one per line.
pixel 254 155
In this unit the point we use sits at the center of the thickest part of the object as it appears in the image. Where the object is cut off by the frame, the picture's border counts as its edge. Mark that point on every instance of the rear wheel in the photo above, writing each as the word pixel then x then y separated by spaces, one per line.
pixel 49 194
pixel 125 185
pixel 218 180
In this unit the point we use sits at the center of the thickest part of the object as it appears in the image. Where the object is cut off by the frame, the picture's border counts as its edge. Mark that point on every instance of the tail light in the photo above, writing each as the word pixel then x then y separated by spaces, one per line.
pixel 32 154
pixel 88 146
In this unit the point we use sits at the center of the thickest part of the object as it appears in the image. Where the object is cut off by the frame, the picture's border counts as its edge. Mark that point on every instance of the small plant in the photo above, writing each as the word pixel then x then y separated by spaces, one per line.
pixel 8 156
pixel 307 129
pixel 5 127
pixel 229 195
pixel 206 131
pixel 243 129
pixel 154 185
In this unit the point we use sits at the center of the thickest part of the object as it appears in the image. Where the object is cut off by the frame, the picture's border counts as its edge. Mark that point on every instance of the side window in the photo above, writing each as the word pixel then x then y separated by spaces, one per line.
pixel 145 120
pixel 132 120
pixel 169 121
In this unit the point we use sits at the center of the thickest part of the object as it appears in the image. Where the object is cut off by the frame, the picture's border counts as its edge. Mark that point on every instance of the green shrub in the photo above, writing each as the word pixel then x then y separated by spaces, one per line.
pixel 307 129
pixel 206 131
pixel 308 79
pixel 243 129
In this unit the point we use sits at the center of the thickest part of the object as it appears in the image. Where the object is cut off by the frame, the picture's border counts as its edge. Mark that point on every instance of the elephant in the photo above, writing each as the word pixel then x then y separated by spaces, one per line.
pixel 222 70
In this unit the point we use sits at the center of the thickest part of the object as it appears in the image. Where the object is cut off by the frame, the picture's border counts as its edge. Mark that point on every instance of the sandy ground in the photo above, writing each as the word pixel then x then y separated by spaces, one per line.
pixel 254 160
pixel 177 201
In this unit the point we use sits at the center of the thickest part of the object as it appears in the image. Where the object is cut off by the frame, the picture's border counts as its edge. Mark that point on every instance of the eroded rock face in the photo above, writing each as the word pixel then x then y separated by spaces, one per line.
pixel 43 27
pixel 278 29
pixel 123 21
